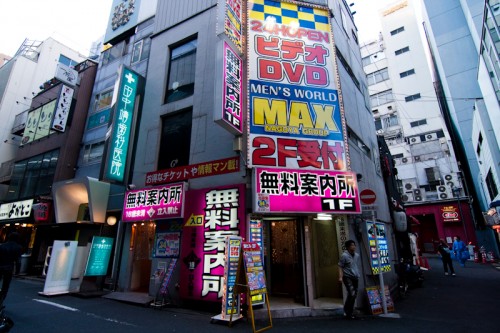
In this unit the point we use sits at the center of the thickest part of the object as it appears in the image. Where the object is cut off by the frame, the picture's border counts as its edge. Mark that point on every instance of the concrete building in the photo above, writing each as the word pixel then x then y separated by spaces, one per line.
pixel 214 128
pixel 461 37
pixel 21 79
pixel 408 114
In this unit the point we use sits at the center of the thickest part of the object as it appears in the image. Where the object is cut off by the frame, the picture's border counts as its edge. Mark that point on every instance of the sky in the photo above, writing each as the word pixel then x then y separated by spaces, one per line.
pixel 78 23
pixel 75 23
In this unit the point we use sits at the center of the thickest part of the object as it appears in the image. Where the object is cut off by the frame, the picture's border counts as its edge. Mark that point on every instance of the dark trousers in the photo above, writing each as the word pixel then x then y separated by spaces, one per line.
pixel 6 277
pixel 351 284
pixel 448 263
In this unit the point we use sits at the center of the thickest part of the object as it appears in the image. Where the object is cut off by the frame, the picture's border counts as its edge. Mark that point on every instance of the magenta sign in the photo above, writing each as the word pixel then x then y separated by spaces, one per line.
pixel 305 191
pixel 155 203
pixel 211 215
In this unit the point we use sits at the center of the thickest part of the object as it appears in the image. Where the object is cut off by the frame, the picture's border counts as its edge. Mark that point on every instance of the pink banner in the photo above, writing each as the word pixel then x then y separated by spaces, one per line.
pixel 211 216
pixel 305 191
pixel 161 202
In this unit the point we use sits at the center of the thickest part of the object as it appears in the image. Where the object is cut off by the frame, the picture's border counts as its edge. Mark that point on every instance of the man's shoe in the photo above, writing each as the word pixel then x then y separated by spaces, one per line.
pixel 445 273
pixel 453 274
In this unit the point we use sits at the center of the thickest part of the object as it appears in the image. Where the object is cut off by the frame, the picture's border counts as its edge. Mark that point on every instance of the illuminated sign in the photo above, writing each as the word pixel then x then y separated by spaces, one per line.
pixel 377 230
pixel 305 191
pixel 16 210
pixel 205 169
pixel 232 22
pixel 41 211
pixel 203 247
pixel 39 122
pixel 450 213
pixel 294 110
pixel 62 109
pixel 117 154
pixel 161 202
pixel 100 252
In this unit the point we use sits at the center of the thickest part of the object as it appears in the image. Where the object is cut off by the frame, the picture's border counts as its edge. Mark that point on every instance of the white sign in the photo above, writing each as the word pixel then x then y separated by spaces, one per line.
pixel 62 109
pixel 60 270
pixel 66 74
pixel 16 210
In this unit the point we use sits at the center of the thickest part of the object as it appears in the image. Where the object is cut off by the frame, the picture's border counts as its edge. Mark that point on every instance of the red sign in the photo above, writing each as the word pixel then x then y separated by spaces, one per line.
pixel 41 211
pixel 367 197
pixel 205 169
pixel 450 214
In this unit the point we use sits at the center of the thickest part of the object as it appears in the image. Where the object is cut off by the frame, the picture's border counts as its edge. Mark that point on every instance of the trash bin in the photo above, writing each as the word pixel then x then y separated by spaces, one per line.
pixel 25 258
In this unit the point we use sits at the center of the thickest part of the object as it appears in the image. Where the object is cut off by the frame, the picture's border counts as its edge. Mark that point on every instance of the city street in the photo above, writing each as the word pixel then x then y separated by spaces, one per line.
pixel 465 303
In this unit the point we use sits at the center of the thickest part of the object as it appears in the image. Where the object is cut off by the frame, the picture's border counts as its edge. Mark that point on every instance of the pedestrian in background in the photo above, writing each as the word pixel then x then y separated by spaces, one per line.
pixel 444 251
pixel 460 251
pixel 349 275
pixel 10 255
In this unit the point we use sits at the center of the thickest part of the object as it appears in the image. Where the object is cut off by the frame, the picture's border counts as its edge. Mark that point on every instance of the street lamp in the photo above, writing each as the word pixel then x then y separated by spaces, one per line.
pixel 456 193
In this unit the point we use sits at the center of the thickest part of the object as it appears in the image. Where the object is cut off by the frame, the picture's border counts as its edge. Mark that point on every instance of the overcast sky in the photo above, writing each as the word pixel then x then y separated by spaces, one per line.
pixel 78 23
pixel 75 23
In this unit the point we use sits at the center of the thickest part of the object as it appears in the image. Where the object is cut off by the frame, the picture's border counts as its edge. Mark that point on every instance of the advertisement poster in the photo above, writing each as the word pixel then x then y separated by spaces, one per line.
pixel 212 215
pixel 375 300
pixel 167 244
pixel 305 191
pixel 376 229
pixel 295 117
pixel 100 253
pixel 233 250
pixel 61 261
pixel 254 269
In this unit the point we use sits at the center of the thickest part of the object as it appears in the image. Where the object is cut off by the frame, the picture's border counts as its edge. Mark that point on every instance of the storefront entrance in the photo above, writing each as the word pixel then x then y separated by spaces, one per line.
pixel 284 258
pixel 141 246
pixel 427 232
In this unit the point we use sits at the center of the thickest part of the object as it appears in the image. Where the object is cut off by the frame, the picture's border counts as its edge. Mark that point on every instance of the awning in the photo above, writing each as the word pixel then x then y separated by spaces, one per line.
pixel 70 194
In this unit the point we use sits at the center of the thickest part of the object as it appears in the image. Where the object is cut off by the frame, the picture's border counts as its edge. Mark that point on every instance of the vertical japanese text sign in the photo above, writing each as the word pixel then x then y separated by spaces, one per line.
pixel 295 120
pixel 123 121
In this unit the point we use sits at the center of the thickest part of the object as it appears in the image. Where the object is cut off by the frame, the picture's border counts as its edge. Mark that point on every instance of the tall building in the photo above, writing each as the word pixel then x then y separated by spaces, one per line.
pixel 408 114
pixel 461 36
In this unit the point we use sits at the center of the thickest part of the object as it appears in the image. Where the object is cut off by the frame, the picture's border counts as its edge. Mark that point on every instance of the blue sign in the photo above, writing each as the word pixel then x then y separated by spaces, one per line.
pixel 100 252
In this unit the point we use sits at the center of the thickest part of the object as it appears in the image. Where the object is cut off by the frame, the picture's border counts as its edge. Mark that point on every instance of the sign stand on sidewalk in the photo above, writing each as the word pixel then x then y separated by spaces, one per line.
pixel 163 293
pixel 251 280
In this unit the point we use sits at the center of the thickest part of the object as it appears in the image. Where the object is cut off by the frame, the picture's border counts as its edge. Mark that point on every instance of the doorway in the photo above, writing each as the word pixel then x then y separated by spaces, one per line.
pixel 427 233
pixel 285 262
pixel 141 247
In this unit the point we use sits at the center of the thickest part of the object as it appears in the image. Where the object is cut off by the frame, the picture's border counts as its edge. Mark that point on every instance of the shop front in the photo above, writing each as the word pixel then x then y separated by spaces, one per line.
pixel 444 220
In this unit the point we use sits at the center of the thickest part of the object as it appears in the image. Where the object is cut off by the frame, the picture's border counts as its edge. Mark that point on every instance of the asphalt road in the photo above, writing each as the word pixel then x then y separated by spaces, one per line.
pixel 469 302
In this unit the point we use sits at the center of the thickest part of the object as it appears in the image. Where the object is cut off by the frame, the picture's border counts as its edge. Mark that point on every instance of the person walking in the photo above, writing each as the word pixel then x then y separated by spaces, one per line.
pixel 349 275
pixel 444 251
pixel 460 251
pixel 10 255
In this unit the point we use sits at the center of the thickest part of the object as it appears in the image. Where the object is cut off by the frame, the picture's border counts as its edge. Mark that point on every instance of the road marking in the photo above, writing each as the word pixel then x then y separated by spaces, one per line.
pixel 56 305
pixel 88 313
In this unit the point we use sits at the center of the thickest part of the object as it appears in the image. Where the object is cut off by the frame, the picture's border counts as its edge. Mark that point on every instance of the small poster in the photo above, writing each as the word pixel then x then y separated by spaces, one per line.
pixel 252 259
pixel 375 300
pixel 232 255
pixel 167 244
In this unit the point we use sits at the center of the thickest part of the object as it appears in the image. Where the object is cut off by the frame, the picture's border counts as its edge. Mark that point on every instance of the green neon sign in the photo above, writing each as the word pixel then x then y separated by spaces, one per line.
pixel 122 126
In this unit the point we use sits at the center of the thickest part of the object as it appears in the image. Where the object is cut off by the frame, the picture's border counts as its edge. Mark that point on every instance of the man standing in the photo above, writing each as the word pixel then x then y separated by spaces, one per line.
pixel 10 253
pixel 349 275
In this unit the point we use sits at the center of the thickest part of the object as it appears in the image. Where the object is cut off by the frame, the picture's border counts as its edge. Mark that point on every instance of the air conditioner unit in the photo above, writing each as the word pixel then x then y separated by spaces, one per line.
pixel 444 192
pixel 416 158
pixel 405 160
pixel 431 136
pixel 419 194
pixel 407 197
pixel 409 185
pixel 414 140
pixel 451 180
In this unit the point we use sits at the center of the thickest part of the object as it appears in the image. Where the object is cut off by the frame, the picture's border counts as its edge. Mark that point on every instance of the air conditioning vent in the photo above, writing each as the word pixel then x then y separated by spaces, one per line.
pixel 443 195
pixel 407 197
pixel 441 189
pixel 417 191
pixel 419 198
pixel 416 158
pixel 404 160
pixel 415 139
pixel 431 136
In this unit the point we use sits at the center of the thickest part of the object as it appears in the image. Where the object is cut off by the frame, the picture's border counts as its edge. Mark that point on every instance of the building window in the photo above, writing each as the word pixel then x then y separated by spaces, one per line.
pixel 67 61
pixel 412 97
pixel 407 73
pixel 182 71
pixel 391 120
pixel 381 98
pixel 92 153
pixel 372 58
pixel 347 67
pixel 492 185
pixel 112 53
pixel 378 76
pixel 141 49
pixel 175 142
pixel 397 31
pixel 378 124
pixel 403 50
pixel 103 100
pixel 33 176
pixel 418 123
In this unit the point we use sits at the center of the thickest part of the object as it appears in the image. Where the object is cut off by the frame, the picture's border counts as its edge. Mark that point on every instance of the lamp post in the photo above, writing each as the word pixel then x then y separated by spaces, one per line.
pixel 456 193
